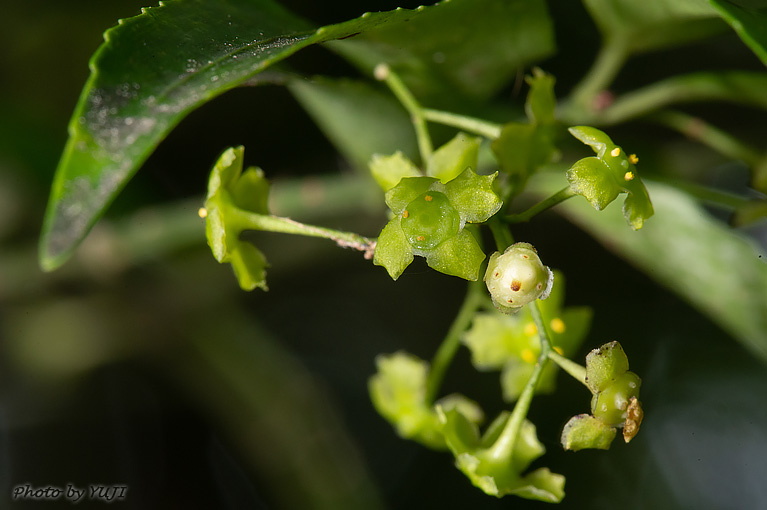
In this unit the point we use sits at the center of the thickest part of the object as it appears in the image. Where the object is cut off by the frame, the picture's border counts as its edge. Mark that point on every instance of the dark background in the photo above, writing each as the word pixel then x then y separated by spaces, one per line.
pixel 158 373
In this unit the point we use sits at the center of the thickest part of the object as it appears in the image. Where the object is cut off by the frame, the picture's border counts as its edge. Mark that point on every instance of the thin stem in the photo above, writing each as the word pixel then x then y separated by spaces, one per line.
pixel 446 352
pixel 501 234
pixel 571 367
pixel 480 127
pixel 384 73
pixel 608 63
pixel 503 448
pixel 703 132
pixel 559 196
pixel 735 86
pixel 245 220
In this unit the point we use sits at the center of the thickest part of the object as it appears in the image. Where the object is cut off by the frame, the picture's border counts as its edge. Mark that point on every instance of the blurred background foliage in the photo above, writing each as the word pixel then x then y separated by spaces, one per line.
pixel 141 363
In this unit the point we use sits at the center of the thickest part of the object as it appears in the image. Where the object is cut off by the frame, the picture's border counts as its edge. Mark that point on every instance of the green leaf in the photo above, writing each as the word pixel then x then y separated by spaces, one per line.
pixel 153 70
pixel 389 170
pixel 451 159
pixel 653 24
pixel 474 46
pixel 586 432
pixel 358 119
pixel 714 268
pixel 748 21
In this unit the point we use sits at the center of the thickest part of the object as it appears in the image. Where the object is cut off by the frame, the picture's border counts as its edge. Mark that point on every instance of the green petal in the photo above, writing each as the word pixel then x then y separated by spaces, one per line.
pixel 591 178
pixel 637 207
pixel 447 162
pixel 215 231
pixel 495 339
pixel 460 433
pixel 541 102
pixel 541 485
pixel 392 249
pixel 389 170
pixel 604 365
pixel 408 189
pixel 593 137
pixel 583 431
pixel 473 196
pixel 251 191
pixel 459 256
pixel 226 170
pixel 249 266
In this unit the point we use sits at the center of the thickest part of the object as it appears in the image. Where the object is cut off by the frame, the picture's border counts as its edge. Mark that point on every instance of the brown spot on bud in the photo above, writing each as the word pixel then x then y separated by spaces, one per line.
pixel 516 285
pixel 634 416
pixel 405 214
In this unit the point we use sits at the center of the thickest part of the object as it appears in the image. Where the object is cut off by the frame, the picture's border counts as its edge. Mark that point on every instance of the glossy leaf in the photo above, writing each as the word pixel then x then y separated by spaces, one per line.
pixel 749 20
pixel 713 267
pixel 151 71
pixel 472 46
pixel 653 24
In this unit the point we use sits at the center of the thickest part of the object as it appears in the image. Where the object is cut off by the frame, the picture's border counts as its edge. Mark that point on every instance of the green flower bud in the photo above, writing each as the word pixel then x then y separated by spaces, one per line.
pixel 517 277
pixel 611 405
pixel 604 365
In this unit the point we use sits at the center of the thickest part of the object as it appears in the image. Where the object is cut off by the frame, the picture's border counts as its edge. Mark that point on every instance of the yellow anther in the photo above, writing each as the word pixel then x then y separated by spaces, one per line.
pixel 634 159
pixel 629 176
pixel 420 238
pixel 527 355
pixel 557 325
pixel 405 214
pixel 615 152
pixel 428 198
pixel 202 212
pixel 530 329
pixel 559 350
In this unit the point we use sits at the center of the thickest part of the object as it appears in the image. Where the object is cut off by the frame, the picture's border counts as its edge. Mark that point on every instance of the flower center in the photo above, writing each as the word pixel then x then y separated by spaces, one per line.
pixel 430 220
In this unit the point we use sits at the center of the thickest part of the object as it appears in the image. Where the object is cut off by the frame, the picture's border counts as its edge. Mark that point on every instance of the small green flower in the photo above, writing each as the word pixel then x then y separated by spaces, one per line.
pixel 398 392
pixel 510 342
pixel 614 403
pixel 430 219
pixel 230 190
pixel 495 462
pixel 602 178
